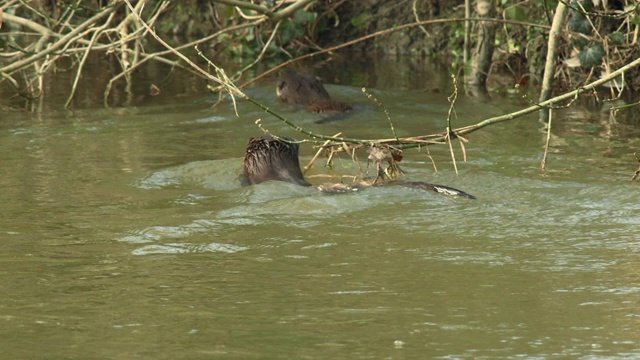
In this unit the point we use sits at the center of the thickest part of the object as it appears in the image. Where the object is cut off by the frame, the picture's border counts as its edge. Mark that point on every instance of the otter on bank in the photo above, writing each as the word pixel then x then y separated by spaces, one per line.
pixel 307 90
pixel 268 158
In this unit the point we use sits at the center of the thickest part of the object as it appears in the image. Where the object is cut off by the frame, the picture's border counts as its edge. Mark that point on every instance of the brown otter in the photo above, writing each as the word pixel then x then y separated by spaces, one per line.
pixel 307 90
pixel 269 158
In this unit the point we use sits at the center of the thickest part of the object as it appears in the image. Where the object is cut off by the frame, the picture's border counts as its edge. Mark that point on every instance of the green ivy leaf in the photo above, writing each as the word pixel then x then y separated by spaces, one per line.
pixel 616 37
pixel 591 55
pixel 579 23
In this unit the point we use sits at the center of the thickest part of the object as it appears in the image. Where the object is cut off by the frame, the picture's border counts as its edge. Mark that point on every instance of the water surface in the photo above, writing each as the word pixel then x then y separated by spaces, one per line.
pixel 125 234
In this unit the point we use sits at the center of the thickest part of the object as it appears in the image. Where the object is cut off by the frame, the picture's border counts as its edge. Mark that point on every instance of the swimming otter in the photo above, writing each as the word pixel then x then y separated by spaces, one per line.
pixel 301 88
pixel 307 90
pixel 268 158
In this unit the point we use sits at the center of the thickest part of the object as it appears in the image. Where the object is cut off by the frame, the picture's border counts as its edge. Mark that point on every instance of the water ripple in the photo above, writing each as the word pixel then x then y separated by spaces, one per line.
pixel 185 248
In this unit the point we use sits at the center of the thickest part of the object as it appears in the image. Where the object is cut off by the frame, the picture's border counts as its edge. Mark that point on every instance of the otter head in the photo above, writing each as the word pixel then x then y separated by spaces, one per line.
pixel 300 88
pixel 268 158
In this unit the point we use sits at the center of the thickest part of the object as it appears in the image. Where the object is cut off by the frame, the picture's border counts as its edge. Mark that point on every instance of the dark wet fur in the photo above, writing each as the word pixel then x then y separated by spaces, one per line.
pixel 328 106
pixel 307 90
pixel 268 158
pixel 300 88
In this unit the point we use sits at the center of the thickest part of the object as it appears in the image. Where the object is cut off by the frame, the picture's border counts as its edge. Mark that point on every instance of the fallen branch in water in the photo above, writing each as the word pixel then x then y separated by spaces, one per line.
pixel 339 143
pixel 441 137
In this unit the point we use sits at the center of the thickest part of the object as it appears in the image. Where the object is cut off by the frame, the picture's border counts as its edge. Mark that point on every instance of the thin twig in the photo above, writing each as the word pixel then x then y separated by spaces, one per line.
pixel 498 119
pixel 229 86
pixel 462 147
pixel 247 5
pixel 452 101
pixel 414 8
pixel 384 109
pixel 317 155
pixel 261 55
pixel 94 38
pixel 62 42
pixel 435 168
pixel 158 55
pixel 543 163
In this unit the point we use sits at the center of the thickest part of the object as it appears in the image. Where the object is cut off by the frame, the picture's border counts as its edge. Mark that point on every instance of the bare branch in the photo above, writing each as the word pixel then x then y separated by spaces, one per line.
pixel 556 27
pixel 58 44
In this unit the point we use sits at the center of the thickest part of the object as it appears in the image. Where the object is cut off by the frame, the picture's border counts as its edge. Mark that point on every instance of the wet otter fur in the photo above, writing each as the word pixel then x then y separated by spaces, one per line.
pixel 269 158
pixel 301 88
pixel 308 90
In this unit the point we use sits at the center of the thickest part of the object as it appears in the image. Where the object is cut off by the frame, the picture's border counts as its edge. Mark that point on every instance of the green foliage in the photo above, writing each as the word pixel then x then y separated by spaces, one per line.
pixel 517 13
pixel 321 25
pixel 579 23
pixel 583 16
pixel 296 27
pixel 617 38
pixel 361 21
pixel 291 34
pixel 593 27
pixel 579 42
pixel 591 55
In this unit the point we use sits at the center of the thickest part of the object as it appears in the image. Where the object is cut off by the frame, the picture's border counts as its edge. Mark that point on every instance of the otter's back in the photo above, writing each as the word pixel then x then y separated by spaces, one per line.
pixel 300 88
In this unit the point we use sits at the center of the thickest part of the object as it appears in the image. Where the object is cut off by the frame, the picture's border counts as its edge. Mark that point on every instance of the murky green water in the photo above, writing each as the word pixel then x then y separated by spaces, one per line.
pixel 124 234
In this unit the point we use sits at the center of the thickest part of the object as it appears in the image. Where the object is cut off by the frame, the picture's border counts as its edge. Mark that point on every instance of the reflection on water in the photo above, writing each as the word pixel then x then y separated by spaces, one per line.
pixel 182 248
pixel 125 233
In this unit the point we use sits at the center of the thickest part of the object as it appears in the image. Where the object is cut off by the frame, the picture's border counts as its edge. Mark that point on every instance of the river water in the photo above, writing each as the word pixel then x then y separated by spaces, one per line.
pixel 125 234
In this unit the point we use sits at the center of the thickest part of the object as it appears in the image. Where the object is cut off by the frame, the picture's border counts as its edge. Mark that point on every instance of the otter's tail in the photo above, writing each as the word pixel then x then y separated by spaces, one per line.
pixel 442 189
